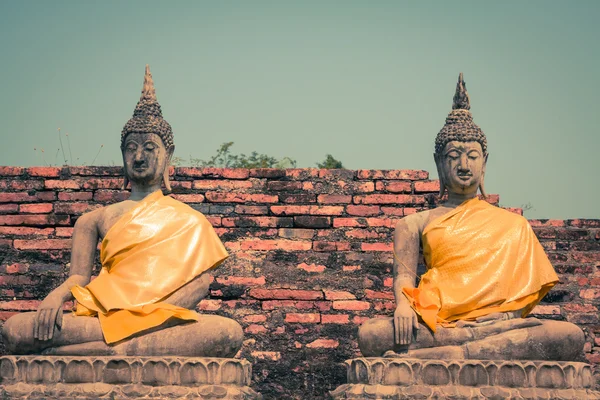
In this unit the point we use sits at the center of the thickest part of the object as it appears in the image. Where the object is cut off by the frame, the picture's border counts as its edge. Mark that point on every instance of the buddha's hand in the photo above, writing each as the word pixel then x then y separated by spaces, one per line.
pixel 405 321
pixel 49 315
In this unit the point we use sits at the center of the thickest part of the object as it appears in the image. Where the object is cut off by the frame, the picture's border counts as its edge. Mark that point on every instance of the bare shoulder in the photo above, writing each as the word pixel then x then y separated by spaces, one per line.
pixel 413 223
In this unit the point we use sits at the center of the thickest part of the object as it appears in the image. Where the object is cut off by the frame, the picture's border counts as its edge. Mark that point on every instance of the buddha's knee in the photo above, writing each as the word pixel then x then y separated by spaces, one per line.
pixel 375 337
pixel 17 332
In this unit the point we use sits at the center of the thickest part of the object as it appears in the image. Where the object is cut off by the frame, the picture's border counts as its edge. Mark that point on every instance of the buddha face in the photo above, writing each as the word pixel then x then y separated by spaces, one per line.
pixel 145 158
pixel 461 166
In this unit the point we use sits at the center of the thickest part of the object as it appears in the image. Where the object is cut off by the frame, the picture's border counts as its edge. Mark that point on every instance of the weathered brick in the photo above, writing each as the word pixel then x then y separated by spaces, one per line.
pixel 584 223
pixel 189 198
pixel 307 210
pixel 323 344
pixel 351 305
pixel 111 196
pixel 281 244
pixel 351 268
pixel 96 171
pixel 23 231
pixel 427 186
pixel 218 197
pixel 295 318
pixel 11 184
pixel 298 198
pixel 590 294
pixel 284 185
pixel 312 267
pixel 272 173
pixel 42 244
pixel 286 294
pixel 47 172
pixel 221 185
pixel 35 220
pixel 74 208
pixel 17 268
pixel 254 318
pixel 75 196
pixel 337 173
pixel 301 174
pixel 334 199
pixel 364 234
pixel 304 221
pixel 209 305
pixel 372 294
pixel 255 329
pixel 546 223
pixel 252 210
pixel 64 232
pixel 9 208
pixel 38 208
pixel 338 295
pixel 241 280
pixel 17 197
pixel 61 184
pixel 296 233
pixel 363 211
pixel 331 246
pixel 11 171
pixel 335 319
pixel 20 305
pixel 394 186
pixel 586 256
pixel 412 175
pixel 377 246
pixel 364 222
pixel 102 183
pixel 389 199
pixel 262 222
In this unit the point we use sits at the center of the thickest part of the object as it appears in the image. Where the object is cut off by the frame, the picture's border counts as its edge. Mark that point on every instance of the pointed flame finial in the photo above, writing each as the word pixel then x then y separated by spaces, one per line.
pixel 461 97
pixel 148 91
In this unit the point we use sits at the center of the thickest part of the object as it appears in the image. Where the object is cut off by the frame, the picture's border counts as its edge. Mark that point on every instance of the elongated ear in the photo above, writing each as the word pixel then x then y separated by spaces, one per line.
pixel 166 171
pixel 125 177
pixel 481 183
pixel 441 176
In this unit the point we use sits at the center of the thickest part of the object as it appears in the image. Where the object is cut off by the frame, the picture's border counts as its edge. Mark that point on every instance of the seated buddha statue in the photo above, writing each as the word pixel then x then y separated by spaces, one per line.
pixel 486 270
pixel 156 255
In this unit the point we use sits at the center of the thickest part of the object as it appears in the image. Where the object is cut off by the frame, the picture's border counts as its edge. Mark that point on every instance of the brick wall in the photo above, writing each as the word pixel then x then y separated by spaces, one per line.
pixel 310 256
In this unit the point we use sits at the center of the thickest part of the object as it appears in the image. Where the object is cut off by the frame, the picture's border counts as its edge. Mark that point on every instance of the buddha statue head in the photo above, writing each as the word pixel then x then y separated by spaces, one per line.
pixel 461 148
pixel 147 141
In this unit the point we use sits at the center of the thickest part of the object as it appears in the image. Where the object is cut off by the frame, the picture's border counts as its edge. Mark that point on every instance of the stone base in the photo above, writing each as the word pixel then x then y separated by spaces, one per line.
pixel 64 377
pixel 408 378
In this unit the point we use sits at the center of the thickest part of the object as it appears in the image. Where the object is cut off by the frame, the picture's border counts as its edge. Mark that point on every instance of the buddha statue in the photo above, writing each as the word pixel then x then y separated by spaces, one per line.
pixel 156 255
pixel 486 270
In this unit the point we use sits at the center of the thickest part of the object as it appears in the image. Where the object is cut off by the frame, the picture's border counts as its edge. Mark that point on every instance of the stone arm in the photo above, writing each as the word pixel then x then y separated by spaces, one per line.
pixel 190 294
pixel 406 256
pixel 84 242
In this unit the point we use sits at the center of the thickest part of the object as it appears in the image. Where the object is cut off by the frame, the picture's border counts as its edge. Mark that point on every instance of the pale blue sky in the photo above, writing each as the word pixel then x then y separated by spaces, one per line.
pixel 370 82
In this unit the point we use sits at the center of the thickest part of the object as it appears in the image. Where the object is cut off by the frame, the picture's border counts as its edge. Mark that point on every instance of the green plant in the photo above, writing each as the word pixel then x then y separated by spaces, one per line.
pixel 330 163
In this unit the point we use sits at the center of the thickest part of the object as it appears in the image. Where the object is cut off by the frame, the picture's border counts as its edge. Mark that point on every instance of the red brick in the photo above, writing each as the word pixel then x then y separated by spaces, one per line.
pixel 335 173
pixel 284 185
pixel 4 315
pixel 189 198
pixel 427 186
pixel 331 246
pixel 364 222
pixel 43 244
pixel 74 208
pixel 48 172
pixel 296 233
pixel 338 295
pixel 252 210
pixel 590 294
pixel 371 294
pixel 362 187
pixel 294 318
pixel 352 305
pixel 255 329
pixel 9 208
pixel 286 294
pixel 218 197
pixel 5 243
pixel 312 267
pixel 585 308
pixel 96 171
pixel 301 174
pixel 40 219
pixel 11 171
pixel 111 196
pixel 39 208
pixel 377 246
pixel 262 222
pixel 21 231
pixel 323 343
pixel 16 197
pixel 272 173
pixel 181 185
pixel 209 305
pixel 398 211
pixel 584 223
pixel 103 183
pixel 334 199
pixel 61 184
pixel 386 306
pixel 335 319
pixel 358 320
pixel 281 244
pixel 228 173
pixel 351 268
pixel 214 221
pixel 307 210
pixel 586 257
pixel 393 174
pixel 45 196
pixel 583 318
pixel 75 196
pixel 241 280
pixel 305 221
pixel 389 199
pixel 20 305
pixel 394 187
pixel 12 184
pixel 298 198
pixel 363 211
pixel 364 234
pixel 254 318
pixel 222 185
pixel 266 355
pixel 546 222
pixel 64 232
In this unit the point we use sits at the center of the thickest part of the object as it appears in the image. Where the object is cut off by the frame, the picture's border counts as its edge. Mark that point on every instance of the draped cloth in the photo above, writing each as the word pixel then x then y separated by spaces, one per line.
pixel 480 260
pixel 151 251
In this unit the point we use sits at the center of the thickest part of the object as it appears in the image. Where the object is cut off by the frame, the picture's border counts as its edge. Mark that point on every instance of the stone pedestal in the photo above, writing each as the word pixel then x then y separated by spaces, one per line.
pixel 389 378
pixel 44 377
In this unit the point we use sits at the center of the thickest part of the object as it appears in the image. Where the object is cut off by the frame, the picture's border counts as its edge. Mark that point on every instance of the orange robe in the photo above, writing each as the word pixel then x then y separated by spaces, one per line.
pixel 481 259
pixel 150 252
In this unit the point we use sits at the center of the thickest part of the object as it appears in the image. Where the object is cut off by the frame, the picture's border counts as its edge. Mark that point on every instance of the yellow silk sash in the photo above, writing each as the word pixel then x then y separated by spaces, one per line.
pixel 481 259
pixel 150 252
